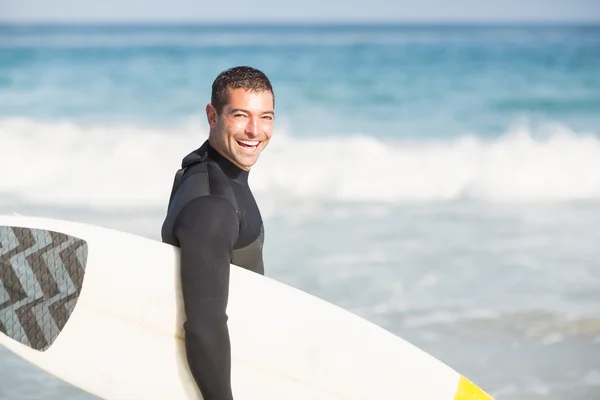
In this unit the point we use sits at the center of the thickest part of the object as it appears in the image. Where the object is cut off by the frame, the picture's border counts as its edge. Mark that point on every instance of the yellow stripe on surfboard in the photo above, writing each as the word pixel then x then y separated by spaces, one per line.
pixel 467 390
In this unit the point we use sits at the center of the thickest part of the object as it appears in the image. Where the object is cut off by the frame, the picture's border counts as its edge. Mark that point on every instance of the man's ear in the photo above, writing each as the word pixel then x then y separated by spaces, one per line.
pixel 211 115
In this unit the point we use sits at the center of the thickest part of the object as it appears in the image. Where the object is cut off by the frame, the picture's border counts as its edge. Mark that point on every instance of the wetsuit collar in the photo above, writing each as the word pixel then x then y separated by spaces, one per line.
pixel 230 169
pixel 206 151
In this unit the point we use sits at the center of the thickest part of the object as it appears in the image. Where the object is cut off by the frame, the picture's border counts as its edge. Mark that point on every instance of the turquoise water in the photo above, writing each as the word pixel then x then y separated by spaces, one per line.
pixel 441 181
pixel 384 81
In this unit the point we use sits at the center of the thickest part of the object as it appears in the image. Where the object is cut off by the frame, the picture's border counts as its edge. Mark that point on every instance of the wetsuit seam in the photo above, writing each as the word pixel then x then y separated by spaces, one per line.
pixel 208 177
pixel 253 241
pixel 233 201
pixel 237 208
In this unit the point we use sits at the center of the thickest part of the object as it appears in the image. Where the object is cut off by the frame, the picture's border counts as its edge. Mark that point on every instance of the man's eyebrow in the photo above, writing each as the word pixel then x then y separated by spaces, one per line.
pixel 248 112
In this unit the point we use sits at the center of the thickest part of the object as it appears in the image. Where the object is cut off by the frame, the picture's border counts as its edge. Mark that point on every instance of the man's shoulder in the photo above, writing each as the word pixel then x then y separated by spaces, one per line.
pixel 201 179
pixel 205 178
pixel 202 188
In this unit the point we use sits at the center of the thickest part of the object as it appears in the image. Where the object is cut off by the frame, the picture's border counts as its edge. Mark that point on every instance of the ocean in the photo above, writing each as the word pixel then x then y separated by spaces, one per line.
pixel 440 181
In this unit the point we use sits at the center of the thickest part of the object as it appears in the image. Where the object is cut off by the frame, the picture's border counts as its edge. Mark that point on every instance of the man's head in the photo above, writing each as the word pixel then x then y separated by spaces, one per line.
pixel 241 114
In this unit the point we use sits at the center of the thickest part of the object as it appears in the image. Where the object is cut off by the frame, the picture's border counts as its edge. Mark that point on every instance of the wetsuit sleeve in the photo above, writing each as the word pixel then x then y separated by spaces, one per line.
pixel 207 230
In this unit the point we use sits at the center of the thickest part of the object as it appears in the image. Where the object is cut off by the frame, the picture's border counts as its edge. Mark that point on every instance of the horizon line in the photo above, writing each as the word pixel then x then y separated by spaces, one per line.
pixel 292 22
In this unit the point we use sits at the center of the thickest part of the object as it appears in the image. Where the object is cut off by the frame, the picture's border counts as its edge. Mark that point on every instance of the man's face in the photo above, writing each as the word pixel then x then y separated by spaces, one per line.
pixel 244 127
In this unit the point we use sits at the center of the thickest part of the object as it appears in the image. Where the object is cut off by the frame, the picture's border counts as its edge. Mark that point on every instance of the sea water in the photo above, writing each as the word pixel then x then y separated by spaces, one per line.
pixel 440 181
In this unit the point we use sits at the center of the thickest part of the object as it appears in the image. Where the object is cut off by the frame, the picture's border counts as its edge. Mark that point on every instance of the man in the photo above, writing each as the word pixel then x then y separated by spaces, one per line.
pixel 214 219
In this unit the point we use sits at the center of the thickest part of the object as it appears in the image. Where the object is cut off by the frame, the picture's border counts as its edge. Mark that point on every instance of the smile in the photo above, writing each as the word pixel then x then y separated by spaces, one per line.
pixel 248 144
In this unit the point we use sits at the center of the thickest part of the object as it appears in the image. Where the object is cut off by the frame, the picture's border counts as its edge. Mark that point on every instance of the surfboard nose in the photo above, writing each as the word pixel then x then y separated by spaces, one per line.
pixel 467 390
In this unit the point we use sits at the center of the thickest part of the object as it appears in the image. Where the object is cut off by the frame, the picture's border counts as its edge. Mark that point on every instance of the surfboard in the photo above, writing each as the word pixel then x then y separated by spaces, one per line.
pixel 102 310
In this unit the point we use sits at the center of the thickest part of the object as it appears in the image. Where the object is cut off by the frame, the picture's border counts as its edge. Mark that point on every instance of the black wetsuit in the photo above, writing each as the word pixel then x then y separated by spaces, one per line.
pixel 215 221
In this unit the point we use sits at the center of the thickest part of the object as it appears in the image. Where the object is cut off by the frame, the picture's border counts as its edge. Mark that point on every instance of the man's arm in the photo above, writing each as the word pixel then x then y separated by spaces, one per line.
pixel 207 230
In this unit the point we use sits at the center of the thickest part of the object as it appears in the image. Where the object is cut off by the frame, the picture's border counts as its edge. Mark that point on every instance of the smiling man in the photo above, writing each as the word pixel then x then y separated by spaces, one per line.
pixel 215 221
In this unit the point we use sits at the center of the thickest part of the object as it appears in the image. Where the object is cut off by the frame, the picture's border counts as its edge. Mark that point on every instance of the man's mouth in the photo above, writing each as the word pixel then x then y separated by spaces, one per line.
pixel 248 144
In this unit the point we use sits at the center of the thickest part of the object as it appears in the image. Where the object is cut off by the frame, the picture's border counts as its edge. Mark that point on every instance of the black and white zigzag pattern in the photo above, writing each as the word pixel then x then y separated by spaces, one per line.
pixel 41 277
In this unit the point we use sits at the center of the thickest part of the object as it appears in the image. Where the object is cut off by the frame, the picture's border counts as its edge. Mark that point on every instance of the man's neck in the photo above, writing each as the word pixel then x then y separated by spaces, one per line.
pixel 224 154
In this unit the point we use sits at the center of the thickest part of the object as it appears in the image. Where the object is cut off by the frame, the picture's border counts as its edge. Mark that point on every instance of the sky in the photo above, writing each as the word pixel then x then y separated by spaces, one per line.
pixel 258 11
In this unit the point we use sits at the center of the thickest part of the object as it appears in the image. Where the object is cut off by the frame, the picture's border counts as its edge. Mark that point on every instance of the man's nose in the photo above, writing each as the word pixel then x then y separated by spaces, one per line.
pixel 252 127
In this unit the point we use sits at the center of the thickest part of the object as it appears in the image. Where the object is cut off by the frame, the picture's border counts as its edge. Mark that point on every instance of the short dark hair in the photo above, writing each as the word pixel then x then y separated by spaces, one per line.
pixel 241 77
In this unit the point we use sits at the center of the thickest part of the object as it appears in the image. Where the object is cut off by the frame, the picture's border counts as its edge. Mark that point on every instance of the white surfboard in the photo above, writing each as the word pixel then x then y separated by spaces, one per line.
pixel 102 310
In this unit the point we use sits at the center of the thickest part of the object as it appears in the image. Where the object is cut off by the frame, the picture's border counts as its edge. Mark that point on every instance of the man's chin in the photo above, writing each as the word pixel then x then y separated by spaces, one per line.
pixel 245 162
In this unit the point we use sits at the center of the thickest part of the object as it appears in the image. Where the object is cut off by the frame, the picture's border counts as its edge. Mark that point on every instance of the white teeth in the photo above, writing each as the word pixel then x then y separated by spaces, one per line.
pixel 249 142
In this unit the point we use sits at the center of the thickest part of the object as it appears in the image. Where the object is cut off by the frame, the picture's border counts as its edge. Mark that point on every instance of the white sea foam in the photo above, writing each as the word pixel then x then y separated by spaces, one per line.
pixel 132 166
